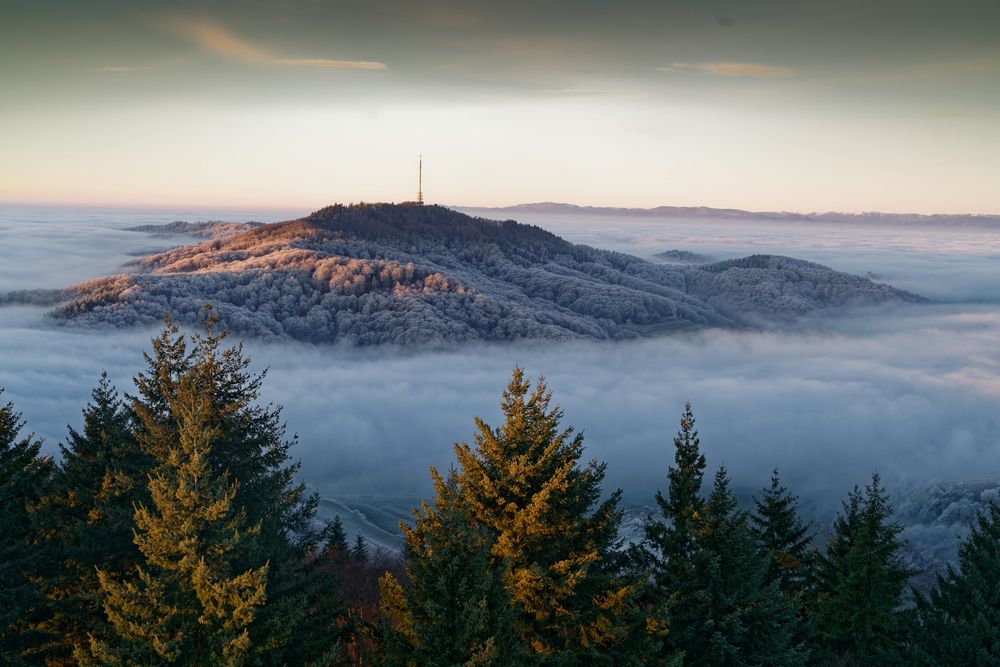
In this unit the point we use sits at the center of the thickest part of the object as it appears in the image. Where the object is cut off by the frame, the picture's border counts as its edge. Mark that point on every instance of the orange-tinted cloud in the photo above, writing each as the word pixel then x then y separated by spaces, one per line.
pixel 216 38
pixel 733 69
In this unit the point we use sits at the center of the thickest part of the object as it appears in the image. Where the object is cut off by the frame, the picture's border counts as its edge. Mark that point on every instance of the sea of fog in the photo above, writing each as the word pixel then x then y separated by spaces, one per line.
pixel 914 393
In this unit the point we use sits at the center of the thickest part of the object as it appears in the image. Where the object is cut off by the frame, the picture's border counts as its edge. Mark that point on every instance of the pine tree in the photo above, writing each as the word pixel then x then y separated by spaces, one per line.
pixel 784 538
pixel 24 475
pixel 85 522
pixel 735 616
pixel 303 617
pixel 958 624
pixel 457 610
pixel 859 584
pixel 189 603
pixel 670 543
pixel 522 482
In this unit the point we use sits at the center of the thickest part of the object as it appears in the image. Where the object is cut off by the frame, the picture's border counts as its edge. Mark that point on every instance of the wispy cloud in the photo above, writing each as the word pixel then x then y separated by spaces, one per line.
pixel 733 69
pixel 216 38
pixel 323 62
pixel 119 69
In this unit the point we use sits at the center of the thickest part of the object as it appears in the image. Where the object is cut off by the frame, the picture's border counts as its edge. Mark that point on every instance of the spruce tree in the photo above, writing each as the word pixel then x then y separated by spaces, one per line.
pixel 958 624
pixel 24 475
pixel 783 536
pixel 190 602
pixel 457 610
pixel 336 537
pixel 524 484
pixel 860 581
pixel 85 522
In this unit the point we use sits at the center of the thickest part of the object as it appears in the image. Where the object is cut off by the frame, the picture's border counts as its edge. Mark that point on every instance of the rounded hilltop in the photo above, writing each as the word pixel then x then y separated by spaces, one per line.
pixel 416 275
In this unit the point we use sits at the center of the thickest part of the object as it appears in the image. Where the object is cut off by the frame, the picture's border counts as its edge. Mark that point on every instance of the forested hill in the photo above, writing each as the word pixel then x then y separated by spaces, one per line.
pixel 407 274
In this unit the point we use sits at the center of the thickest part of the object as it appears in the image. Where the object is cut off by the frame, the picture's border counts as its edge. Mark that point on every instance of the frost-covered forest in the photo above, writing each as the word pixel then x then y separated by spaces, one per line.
pixel 171 530
pixel 422 275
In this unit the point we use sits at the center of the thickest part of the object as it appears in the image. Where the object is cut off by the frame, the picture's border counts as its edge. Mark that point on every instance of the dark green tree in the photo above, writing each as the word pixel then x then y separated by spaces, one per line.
pixel 336 537
pixel 736 616
pixel 359 551
pixel 860 581
pixel 457 610
pixel 671 540
pixel 523 483
pixel 958 624
pixel 784 537
pixel 85 522
pixel 189 602
pixel 24 476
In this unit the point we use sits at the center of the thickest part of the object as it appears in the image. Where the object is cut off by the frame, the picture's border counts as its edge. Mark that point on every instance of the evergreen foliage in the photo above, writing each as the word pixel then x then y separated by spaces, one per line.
pixel 24 474
pixel 784 538
pixel 302 617
pixel 189 602
pixel 524 484
pixel 958 624
pixel 359 551
pixel 85 522
pixel 457 610
pixel 860 581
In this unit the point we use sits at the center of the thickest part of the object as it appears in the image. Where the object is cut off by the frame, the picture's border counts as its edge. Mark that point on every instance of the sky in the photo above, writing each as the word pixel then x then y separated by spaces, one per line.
pixel 766 105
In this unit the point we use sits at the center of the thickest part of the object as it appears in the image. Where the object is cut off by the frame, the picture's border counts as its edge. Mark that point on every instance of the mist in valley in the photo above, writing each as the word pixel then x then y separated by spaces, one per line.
pixel 912 392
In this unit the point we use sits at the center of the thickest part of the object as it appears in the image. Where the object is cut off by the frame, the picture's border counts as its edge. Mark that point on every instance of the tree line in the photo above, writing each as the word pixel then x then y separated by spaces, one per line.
pixel 172 531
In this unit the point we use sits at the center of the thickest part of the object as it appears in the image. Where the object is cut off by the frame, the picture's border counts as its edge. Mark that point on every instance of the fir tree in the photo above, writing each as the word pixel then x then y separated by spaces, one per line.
pixel 24 475
pixel 189 603
pixel 303 616
pixel 85 522
pixel 735 615
pixel 336 537
pixel 784 538
pixel 670 543
pixel 457 610
pixel 859 584
pixel 958 624
pixel 524 484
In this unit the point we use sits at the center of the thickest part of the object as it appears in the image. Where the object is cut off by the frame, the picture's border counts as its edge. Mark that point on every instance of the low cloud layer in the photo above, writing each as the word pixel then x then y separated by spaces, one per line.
pixel 912 392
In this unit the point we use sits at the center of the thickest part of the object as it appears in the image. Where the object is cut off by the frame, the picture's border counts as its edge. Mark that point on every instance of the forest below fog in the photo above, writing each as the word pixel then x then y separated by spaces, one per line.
pixel 171 529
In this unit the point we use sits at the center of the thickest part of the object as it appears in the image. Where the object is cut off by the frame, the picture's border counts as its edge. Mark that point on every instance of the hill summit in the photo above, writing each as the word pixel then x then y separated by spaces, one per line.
pixel 406 274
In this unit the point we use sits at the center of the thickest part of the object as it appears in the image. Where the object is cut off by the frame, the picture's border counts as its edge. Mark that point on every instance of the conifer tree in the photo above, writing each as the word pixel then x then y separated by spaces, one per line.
pixel 359 551
pixel 523 482
pixel 337 537
pixel 24 474
pixel 670 543
pixel 784 538
pixel 189 603
pixel 958 624
pixel 736 616
pixel 457 610
pixel 85 522
pixel 859 584
pixel 302 618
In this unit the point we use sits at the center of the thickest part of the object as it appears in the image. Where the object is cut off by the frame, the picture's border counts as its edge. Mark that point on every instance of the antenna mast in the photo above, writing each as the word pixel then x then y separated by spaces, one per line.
pixel 420 181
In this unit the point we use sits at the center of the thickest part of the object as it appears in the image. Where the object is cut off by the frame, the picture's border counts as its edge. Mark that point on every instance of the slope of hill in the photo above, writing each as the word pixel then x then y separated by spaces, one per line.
pixel 403 274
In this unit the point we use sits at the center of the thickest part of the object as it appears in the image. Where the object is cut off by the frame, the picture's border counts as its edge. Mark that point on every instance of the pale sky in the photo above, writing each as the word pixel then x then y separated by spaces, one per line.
pixel 889 105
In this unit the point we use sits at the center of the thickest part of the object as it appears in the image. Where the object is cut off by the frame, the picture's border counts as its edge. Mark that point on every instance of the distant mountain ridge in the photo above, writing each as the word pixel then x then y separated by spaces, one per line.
pixel 739 214
pixel 411 275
